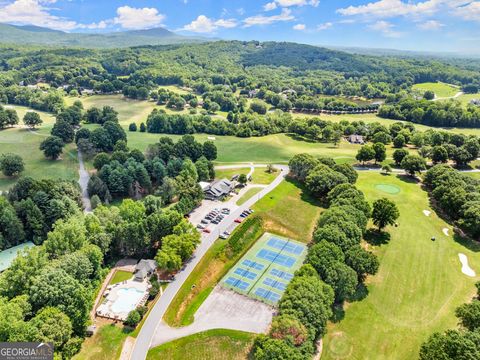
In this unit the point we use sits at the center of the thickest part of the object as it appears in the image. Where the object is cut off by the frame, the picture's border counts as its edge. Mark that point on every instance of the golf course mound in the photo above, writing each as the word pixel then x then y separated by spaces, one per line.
pixel 340 345
pixel 389 189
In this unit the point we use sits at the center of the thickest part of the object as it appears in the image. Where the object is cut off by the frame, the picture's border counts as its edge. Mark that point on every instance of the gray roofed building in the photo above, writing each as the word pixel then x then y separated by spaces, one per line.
pixel 356 139
pixel 218 189
pixel 144 268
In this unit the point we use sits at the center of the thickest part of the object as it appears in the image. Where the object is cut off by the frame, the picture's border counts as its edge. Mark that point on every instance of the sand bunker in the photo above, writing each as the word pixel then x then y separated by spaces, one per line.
pixel 426 212
pixel 466 269
pixel 445 231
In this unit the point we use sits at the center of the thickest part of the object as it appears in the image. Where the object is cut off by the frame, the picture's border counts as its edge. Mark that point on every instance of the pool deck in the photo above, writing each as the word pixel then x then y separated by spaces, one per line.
pixel 112 296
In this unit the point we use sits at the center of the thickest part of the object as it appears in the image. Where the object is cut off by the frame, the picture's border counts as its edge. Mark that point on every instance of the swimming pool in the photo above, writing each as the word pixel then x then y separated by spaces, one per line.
pixel 127 300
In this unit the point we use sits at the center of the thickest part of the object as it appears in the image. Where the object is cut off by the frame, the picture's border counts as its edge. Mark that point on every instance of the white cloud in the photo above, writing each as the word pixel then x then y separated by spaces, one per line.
pixel 285 15
pixel 240 11
pixel 203 24
pixel 385 28
pixel 299 27
pixel 470 11
pixel 324 26
pixel 138 18
pixel 430 25
pixel 270 6
pixel 34 12
pixel 288 3
pixel 394 8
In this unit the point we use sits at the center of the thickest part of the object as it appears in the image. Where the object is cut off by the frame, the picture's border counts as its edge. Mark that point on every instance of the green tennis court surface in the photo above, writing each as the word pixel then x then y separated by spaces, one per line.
pixel 264 272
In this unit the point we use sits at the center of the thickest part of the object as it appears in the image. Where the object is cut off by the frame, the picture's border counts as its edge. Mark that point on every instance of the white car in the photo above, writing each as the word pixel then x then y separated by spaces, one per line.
pixel 224 236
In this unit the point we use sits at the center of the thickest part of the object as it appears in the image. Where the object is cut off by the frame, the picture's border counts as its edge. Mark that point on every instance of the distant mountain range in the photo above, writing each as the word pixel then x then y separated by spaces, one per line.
pixel 35 35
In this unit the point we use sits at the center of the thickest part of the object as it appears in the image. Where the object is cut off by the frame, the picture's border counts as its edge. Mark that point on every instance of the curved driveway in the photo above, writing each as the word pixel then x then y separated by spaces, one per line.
pixel 149 328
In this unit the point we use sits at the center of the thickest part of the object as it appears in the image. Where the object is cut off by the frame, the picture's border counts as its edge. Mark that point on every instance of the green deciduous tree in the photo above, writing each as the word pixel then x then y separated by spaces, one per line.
pixel 385 212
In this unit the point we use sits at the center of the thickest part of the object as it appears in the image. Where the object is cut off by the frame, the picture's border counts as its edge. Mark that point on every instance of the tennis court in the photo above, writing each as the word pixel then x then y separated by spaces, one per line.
pixel 264 272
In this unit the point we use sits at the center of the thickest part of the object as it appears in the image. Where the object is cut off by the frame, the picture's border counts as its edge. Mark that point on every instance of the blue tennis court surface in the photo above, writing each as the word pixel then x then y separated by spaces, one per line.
pixel 253 264
pixel 285 246
pixel 268 295
pixel 275 284
pixel 281 274
pixel 242 285
pixel 276 258
pixel 264 272
pixel 245 273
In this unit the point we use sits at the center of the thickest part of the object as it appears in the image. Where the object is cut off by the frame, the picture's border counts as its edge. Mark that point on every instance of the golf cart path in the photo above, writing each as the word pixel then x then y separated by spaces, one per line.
pixel 153 321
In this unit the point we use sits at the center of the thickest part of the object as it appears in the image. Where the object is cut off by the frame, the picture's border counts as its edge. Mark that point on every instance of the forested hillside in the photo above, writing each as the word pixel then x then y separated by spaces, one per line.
pixel 306 69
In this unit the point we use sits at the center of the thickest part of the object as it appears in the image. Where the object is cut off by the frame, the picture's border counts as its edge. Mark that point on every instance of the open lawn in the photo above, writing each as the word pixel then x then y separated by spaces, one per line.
pixel 417 288
pixel 229 173
pixel 441 90
pixel 105 344
pixel 216 344
pixel 262 176
pixel 278 148
pixel 466 98
pixel 26 143
pixel 129 110
pixel 248 194
pixel 289 211
pixel 119 276
pixel 475 175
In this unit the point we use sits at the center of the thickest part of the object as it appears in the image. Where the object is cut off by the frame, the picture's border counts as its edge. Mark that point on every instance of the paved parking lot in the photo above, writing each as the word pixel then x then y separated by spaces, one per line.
pixel 207 206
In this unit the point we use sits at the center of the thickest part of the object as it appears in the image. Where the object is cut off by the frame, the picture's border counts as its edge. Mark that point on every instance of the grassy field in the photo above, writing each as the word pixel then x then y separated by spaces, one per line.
pixel 218 344
pixel 229 173
pixel 119 276
pixel 26 144
pixel 417 288
pixel 466 98
pixel 248 194
pixel 262 176
pixel 129 110
pixel 441 90
pixel 105 344
pixel 475 175
pixel 278 206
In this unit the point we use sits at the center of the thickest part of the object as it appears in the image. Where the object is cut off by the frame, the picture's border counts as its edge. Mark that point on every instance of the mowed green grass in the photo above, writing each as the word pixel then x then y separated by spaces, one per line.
pixel 417 288
pixel 466 98
pixel 26 143
pixel 105 344
pixel 278 148
pixel 441 90
pixel 129 110
pixel 119 276
pixel 248 195
pixel 290 211
pixel 218 344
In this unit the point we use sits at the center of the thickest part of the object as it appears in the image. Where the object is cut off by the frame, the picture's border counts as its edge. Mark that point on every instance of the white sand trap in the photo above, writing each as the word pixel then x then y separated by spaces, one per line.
pixel 445 231
pixel 426 212
pixel 466 269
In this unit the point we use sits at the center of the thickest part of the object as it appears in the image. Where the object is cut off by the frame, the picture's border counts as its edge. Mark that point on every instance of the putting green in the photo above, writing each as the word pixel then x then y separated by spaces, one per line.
pixel 389 189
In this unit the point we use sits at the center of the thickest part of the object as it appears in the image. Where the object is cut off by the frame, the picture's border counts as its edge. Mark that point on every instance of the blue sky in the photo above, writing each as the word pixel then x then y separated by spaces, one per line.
pixel 428 25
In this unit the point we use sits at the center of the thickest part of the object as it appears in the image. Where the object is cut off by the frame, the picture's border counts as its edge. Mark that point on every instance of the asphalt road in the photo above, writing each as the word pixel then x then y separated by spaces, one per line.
pixel 149 328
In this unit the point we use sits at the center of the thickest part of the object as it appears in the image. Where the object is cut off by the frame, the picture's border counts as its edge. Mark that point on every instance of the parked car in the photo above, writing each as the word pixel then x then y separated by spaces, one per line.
pixel 225 211
pixel 224 236
pixel 200 226
pixel 205 221
pixel 239 220
pixel 206 230
pixel 243 215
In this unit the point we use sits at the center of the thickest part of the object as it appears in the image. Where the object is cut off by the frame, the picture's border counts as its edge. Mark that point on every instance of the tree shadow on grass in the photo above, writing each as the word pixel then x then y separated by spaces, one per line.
pixel 408 179
pixel 465 241
pixel 376 238
pixel 360 293
pixel 338 313
pixel 306 195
